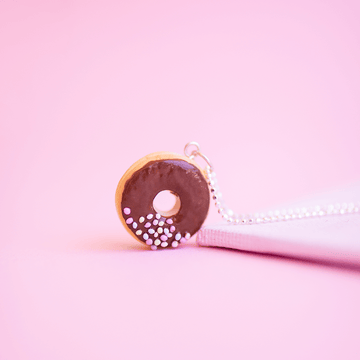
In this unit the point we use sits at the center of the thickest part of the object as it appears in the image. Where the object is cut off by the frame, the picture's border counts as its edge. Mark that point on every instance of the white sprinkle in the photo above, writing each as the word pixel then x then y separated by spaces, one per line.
pixel 164 244
pixel 127 211
pixel 156 234
pixel 166 231
pixel 157 242
pixel 145 236
pixel 150 216
pixel 169 235
pixel 161 223
pixel 158 216
pixel 139 232
pixel 187 236
pixel 151 231
pixel 134 225
pixel 160 230
pixel 141 220
pixel 155 222
pixel 178 236
pixel 169 221
pixel 174 244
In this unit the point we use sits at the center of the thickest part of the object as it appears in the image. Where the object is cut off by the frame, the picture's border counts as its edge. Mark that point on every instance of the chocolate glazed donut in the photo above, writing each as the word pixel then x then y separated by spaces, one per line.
pixel 148 177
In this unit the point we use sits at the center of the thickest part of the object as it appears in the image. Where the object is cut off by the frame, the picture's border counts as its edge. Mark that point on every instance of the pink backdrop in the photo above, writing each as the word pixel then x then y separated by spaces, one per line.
pixel 271 91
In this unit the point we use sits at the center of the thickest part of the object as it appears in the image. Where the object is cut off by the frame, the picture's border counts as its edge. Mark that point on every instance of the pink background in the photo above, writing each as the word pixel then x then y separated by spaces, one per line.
pixel 271 91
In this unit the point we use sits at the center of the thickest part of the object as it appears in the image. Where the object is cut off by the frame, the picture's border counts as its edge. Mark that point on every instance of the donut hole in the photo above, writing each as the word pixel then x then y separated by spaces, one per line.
pixel 167 203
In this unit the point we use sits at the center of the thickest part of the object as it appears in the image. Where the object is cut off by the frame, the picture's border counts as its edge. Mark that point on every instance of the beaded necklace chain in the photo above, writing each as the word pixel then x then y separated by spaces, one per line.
pixel 271 216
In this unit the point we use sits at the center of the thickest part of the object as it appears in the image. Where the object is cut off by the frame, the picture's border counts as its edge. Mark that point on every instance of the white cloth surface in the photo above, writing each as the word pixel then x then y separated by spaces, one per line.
pixel 334 238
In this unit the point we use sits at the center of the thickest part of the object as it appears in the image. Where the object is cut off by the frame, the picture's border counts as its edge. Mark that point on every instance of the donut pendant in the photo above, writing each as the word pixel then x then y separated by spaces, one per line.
pixel 148 177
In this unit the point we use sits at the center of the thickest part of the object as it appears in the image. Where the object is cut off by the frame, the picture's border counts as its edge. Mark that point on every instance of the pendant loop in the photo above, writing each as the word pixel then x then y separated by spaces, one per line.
pixel 196 152
pixel 193 152
pixel 206 159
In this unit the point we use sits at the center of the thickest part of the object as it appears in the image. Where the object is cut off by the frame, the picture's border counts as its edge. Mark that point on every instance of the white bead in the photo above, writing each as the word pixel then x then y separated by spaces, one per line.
pixel 141 220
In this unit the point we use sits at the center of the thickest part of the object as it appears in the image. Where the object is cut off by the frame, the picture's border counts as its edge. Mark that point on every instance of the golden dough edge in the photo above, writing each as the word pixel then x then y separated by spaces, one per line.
pixel 160 155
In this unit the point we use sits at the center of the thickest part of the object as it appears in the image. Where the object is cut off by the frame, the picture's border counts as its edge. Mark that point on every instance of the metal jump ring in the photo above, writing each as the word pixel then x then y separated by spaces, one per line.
pixel 197 152
pixel 205 158
pixel 194 152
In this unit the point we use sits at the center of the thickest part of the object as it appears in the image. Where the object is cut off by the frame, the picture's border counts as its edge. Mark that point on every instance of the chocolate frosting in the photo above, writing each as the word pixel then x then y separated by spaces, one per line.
pixel 177 176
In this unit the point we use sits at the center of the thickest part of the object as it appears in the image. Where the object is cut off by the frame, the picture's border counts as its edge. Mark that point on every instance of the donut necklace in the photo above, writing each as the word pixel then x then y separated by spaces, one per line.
pixel 191 185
